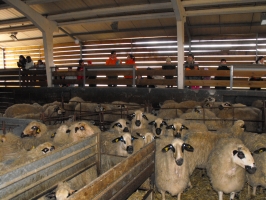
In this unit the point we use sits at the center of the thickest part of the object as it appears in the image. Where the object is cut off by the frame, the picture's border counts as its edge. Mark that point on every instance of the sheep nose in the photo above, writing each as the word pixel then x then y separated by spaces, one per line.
pixel 177 135
pixel 130 149
pixel 158 131
pixel 126 129
pixel 179 162
pixel 23 135
pixel 137 122
pixel 250 170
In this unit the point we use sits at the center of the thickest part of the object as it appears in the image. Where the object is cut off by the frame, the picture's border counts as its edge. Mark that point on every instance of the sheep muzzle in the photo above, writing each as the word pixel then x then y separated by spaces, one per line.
pixel 130 149
pixel 158 131
pixel 126 129
pixel 250 170
pixel 23 135
pixel 137 123
pixel 179 162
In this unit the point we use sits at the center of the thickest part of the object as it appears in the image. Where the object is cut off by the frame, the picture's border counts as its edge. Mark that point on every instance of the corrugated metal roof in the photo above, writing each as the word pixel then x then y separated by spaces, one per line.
pixel 91 19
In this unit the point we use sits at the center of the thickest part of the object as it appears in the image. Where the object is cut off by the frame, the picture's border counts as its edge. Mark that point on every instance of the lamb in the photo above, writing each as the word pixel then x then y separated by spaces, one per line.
pixel 227 164
pixel 140 120
pixel 171 172
pixel 81 130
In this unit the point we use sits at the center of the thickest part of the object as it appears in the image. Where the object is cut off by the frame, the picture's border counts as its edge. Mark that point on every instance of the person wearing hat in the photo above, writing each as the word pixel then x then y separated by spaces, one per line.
pixel 259 61
pixel 80 68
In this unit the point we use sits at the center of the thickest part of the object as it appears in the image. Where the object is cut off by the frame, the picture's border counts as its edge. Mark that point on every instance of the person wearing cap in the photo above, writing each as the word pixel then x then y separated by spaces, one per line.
pixel 80 68
pixel 112 61
pixel 259 61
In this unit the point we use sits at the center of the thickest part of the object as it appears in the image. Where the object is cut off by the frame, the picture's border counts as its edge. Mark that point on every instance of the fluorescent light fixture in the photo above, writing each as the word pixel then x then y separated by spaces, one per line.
pixel 263 18
pixel 13 36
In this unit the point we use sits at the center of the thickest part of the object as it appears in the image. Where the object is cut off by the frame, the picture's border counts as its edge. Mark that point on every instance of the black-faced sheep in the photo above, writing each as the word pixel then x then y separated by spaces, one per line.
pixel 171 172
pixel 227 164
pixel 81 130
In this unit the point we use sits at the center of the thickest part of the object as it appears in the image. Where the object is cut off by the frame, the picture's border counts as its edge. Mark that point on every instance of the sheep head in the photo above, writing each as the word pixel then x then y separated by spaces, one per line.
pixel 177 129
pixel 158 125
pixel 34 129
pixel 125 142
pixel 178 146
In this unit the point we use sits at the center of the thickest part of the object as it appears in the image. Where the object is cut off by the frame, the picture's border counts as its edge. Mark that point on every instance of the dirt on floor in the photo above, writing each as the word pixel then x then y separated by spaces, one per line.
pixel 202 190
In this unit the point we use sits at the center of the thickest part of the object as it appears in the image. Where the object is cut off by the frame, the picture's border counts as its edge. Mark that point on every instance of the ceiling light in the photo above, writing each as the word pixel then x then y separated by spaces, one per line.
pixel 13 36
pixel 263 18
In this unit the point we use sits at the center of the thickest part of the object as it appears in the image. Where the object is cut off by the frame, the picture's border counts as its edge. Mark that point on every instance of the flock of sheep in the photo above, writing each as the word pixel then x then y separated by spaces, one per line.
pixel 188 135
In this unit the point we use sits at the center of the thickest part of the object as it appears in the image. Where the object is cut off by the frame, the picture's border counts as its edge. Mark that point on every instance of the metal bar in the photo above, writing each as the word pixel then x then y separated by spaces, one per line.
pixel 231 76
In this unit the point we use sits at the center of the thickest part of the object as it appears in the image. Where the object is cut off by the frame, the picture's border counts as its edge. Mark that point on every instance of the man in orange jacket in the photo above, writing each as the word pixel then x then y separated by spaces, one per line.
pixel 112 61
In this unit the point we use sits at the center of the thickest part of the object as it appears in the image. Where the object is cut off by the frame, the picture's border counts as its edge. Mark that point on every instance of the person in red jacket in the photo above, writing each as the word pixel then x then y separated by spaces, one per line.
pixel 130 61
pixel 80 68
pixel 112 61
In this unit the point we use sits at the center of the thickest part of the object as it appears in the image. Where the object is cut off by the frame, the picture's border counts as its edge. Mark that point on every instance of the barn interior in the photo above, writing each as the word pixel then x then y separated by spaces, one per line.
pixel 152 30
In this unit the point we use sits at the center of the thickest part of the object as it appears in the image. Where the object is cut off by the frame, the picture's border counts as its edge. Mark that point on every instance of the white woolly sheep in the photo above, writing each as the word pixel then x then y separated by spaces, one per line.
pixel 158 126
pixel 258 104
pixel 250 115
pixel 171 172
pixel 227 164
pixel 140 120
pixel 121 145
pixel 61 135
pixel 81 130
pixel 144 140
pixel 203 144
pixel 236 130
pixel 120 126
pixel 22 110
pixel 169 110
pixel 63 191
pixel 40 150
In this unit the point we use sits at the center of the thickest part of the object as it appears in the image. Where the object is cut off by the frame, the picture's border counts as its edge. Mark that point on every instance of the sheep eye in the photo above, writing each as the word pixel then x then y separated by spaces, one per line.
pixel 82 128
pixel 119 125
pixel 133 115
pixel 52 148
pixel 34 128
pixel 45 150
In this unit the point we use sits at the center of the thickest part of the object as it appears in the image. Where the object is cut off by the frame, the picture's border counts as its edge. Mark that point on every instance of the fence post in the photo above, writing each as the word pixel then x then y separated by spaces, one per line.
pixel 231 76
pixel 19 75
pixel 134 75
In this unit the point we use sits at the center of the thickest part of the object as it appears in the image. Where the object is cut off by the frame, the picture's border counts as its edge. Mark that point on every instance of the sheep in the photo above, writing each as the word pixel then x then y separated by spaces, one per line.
pixel 236 130
pixel 140 120
pixel 63 191
pixel 22 110
pixel 61 136
pixel 258 104
pixel 41 149
pixel 158 126
pixel 120 126
pixel 81 130
pixel 171 172
pixel 250 115
pixel 45 106
pixel 176 128
pixel 169 109
pixel 10 146
pixel 227 164
pixel 203 144
pixel 36 133
pixel 145 139
pixel 121 145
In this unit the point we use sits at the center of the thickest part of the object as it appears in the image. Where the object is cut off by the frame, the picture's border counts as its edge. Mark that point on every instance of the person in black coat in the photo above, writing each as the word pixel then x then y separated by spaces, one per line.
pixel 222 66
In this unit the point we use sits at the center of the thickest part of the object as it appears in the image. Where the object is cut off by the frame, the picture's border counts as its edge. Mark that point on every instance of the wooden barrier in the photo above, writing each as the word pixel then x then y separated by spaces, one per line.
pixel 239 76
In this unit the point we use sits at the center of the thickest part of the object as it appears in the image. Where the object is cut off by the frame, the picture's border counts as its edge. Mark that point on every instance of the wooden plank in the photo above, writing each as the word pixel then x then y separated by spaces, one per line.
pixel 91 190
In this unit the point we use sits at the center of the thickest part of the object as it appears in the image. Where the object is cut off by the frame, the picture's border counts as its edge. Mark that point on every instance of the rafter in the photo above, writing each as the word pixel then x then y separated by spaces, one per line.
pixel 179 10
pixel 197 3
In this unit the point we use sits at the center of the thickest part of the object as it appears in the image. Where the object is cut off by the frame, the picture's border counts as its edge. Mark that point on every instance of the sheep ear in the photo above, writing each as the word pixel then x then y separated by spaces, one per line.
pixel 151 123
pixel 258 151
pixel 114 125
pixel 187 147
pixel 235 152
pixel 53 135
pixel 131 116
pixel 145 117
pixel 184 127
pixel 133 138
pixel 117 139
pixel 168 147
pixel 76 129
pixel 68 131
pixel 52 148
pixel 170 127
pixel 164 123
